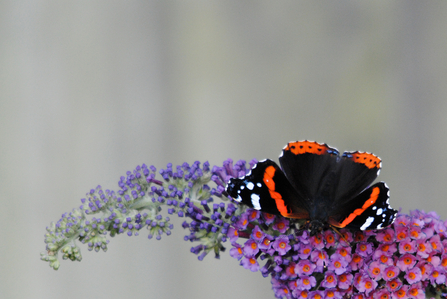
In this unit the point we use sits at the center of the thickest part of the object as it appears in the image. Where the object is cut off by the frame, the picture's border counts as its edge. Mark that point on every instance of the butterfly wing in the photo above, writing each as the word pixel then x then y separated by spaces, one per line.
pixel 308 166
pixel 354 172
pixel 368 210
pixel 267 189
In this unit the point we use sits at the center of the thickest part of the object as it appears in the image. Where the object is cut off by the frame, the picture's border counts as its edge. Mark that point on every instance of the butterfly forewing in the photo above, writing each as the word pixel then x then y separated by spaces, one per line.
pixel 307 164
pixel 266 188
pixel 354 172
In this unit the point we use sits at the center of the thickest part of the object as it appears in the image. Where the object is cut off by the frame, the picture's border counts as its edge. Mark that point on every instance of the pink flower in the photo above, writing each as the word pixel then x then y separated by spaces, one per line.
pixel 344 252
pixel 257 234
pixel 364 249
pixel 366 284
pixel 416 291
pixel 281 224
pixel 385 259
pixel 253 214
pixel 236 251
pixel 407 261
pixel 357 262
pixel 300 293
pixel 390 272
pixel 386 236
pixel 317 294
pixel 250 263
pixel 388 249
pixel 375 270
pixel 434 259
pixel 407 246
pixel 330 239
pixel 242 223
pixel 437 275
pixel 381 294
pixel 444 261
pixel 306 282
pixel 423 248
pixel 416 233
pixel 233 234
pixel 330 280
pixel 281 245
pixel 268 218
pixel 401 232
pixel 401 292
pixel 250 248
pixel 436 244
pixel 304 251
pixel 345 281
pixel 333 294
pixel 393 285
pixel 319 257
pixel 289 271
pixel 304 267
pixel 265 243
pixel 337 263
pixel 402 220
pixel 426 269
pixel 413 275
pixel 316 242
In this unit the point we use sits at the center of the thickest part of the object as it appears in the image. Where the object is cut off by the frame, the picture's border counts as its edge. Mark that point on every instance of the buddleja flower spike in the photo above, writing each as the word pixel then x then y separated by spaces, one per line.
pixel 278 220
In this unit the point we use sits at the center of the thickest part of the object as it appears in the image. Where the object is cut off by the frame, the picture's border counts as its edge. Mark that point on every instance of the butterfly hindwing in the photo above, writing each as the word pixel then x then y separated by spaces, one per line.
pixel 368 210
pixel 266 188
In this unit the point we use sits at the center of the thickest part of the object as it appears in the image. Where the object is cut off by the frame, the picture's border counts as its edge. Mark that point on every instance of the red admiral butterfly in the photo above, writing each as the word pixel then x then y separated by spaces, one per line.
pixel 318 184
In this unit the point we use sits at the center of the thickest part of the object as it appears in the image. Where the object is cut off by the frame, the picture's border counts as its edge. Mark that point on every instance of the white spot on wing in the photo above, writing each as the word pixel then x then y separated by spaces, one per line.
pixel 250 185
pixel 255 201
pixel 259 185
pixel 238 199
pixel 368 222
pixel 379 212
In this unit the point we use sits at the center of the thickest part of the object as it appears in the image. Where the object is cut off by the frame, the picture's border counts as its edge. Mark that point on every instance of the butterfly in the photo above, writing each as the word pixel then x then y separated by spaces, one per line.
pixel 317 184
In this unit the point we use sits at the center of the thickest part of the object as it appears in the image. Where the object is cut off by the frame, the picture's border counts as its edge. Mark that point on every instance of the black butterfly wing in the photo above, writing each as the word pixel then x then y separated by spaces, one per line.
pixel 368 210
pixel 354 172
pixel 267 189
pixel 308 165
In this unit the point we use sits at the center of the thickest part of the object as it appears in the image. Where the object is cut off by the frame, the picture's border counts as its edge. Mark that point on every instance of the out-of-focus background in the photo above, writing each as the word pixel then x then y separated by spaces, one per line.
pixel 91 89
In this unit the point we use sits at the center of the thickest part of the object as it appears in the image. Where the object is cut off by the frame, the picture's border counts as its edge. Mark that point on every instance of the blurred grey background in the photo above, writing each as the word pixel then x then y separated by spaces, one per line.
pixel 91 89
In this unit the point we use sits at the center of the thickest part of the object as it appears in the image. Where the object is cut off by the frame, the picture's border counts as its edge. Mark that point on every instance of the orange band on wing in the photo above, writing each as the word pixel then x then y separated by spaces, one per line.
pixel 371 200
pixel 270 183
pixel 303 147
pixel 367 159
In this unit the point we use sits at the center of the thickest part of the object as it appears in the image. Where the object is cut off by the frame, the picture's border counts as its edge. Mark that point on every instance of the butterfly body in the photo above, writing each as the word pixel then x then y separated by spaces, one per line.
pixel 318 184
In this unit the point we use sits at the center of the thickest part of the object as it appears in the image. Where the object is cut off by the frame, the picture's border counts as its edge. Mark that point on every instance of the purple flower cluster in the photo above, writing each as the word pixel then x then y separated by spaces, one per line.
pixel 406 260
pixel 183 190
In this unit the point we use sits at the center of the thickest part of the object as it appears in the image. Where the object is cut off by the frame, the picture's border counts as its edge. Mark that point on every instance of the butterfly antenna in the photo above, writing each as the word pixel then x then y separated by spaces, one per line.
pixel 339 233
